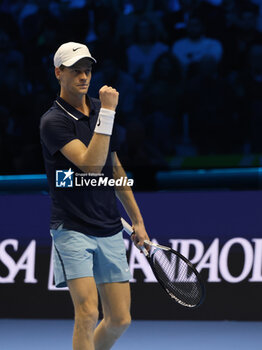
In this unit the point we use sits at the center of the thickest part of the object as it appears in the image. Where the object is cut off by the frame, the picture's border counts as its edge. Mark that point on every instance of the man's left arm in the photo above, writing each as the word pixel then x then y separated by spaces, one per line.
pixel 126 197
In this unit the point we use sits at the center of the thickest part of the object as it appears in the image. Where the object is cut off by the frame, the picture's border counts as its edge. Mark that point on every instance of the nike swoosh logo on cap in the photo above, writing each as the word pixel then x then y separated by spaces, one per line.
pixel 76 48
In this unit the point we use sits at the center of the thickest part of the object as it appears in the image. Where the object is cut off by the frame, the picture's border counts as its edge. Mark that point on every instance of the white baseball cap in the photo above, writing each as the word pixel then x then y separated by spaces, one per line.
pixel 69 53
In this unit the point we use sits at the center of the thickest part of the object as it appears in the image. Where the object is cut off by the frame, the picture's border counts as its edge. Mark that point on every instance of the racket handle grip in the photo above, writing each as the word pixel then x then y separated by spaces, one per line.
pixel 127 227
pixel 144 250
pixel 129 230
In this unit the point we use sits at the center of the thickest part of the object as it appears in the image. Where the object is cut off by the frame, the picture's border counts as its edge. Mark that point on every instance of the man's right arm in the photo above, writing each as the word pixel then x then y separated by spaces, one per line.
pixel 93 158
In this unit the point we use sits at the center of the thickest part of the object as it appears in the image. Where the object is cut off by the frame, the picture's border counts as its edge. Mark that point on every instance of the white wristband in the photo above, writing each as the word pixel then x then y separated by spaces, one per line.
pixel 105 121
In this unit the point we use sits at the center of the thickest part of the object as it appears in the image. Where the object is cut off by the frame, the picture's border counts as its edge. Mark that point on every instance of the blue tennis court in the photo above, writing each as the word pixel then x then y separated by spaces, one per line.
pixel 56 334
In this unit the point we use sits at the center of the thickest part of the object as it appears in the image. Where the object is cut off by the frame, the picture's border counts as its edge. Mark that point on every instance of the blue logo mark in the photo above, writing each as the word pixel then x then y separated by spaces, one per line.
pixel 64 178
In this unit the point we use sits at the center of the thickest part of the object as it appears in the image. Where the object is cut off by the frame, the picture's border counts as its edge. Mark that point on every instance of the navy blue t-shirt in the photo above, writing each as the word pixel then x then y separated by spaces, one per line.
pixel 87 209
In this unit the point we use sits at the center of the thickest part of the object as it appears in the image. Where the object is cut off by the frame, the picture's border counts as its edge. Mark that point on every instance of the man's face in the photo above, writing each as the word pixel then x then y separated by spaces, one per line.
pixel 75 79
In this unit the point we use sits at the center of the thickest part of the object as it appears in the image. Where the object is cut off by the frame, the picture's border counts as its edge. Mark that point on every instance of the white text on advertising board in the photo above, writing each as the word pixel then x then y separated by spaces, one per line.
pixel 214 260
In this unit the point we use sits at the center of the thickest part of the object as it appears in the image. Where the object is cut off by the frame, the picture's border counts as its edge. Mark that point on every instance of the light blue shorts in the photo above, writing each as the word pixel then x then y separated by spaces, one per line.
pixel 77 255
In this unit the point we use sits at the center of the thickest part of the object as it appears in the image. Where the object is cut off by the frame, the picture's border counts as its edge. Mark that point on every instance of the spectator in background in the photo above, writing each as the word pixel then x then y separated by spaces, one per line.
pixel 19 130
pixel 111 74
pixel 250 100
pixel 180 11
pixel 161 101
pixel 76 4
pixel 144 52
pixel 6 156
pixel 12 8
pixel 259 20
pixel 230 12
pixel 210 104
pixel 129 13
pixel 196 45
pixel 241 36
pixel 254 96
pixel 29 8
pixel 104 28
pixel 212 17
pixel 43 40
pixel 140 156
pixel 10 26
pixel 9 53
pixel 176 17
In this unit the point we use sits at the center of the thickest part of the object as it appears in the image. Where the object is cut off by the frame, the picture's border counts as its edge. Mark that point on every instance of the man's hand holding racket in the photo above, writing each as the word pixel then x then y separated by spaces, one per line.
pixel 139 235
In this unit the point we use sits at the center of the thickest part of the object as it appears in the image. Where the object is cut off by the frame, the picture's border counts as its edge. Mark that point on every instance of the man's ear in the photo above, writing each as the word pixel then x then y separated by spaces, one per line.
pixel 57 73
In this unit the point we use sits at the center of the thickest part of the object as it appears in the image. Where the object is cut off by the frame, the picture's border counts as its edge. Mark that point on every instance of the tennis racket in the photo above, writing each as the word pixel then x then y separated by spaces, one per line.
pixel 174 272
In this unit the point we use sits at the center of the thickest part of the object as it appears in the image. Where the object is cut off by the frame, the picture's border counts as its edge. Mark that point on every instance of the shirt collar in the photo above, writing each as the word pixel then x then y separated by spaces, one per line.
pixel 71 111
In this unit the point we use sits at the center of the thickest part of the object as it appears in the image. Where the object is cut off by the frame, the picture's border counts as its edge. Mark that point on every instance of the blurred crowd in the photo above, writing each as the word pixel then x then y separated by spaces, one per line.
pixel 189 73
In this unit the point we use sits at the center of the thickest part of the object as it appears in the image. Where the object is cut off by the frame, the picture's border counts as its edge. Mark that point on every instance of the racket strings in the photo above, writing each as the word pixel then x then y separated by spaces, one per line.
pixel 177 277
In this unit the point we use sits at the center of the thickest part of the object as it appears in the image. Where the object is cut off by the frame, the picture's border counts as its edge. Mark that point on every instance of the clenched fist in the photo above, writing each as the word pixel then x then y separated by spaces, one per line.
pixel 108 97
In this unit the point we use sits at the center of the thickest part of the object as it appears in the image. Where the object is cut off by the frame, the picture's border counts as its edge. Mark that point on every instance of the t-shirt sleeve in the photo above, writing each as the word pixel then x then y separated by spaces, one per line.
pixel 56 132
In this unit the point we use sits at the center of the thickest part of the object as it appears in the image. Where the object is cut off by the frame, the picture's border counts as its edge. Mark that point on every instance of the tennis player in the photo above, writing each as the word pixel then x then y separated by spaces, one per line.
pixel 77 136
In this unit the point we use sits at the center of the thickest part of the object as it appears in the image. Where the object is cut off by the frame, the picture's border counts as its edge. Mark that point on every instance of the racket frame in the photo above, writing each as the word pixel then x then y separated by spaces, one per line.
pixel 130 231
